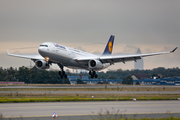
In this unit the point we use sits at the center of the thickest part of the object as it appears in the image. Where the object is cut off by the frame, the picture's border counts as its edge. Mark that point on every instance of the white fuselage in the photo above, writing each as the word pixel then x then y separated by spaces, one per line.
pixel 66 56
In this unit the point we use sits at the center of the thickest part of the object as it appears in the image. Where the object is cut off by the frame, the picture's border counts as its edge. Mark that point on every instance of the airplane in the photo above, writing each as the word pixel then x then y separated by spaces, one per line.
pixel 50 52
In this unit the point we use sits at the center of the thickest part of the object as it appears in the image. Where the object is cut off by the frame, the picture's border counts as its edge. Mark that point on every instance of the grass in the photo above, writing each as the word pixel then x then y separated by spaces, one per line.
pixel 50 97
pixel 170 118
pixel 118 115
pixel 47 96
pixel 96 89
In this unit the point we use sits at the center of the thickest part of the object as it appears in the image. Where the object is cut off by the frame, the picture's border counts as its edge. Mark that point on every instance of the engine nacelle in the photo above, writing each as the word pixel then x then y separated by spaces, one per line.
pixel 95 64
pixel 42 64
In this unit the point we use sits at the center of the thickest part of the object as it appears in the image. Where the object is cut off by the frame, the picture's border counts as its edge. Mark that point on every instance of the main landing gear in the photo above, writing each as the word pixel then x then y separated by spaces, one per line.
pixel 62 72
pixel 93 74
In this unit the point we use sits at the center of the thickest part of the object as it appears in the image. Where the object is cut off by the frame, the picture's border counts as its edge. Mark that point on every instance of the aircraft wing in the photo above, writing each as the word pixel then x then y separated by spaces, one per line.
pixel 28 56
pixel 121 58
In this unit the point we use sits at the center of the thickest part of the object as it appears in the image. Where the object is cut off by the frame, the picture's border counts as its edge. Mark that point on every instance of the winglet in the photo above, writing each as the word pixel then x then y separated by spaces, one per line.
pixel 109 46
pixel 173 50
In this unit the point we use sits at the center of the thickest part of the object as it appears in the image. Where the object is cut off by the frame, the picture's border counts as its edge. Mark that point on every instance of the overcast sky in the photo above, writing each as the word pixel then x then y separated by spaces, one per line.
pixel 151 25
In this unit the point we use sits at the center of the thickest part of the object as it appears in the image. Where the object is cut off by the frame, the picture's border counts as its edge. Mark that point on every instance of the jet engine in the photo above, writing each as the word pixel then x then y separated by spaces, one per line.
pixel 95 64
pixel 42 64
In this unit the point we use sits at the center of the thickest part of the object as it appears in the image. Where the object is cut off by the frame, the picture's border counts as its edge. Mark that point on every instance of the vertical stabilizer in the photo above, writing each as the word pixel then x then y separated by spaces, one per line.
pixel 109 46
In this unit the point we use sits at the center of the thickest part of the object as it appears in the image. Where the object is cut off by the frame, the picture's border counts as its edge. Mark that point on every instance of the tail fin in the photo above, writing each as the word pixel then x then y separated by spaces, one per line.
pixel 109 46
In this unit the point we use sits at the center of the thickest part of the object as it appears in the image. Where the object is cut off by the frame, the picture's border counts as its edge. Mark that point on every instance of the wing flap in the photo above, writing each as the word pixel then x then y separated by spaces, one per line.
pixel 119 59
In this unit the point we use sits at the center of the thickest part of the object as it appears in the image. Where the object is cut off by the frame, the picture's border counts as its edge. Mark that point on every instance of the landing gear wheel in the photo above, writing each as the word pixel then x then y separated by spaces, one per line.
pixel 90 72
pixel 62 72
pixel 96 76
pixel 61 76
pixel 65 76
pixel 93 74
pixel 59 72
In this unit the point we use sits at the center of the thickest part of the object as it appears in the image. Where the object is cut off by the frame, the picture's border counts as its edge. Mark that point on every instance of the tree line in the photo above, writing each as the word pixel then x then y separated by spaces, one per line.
pixel 121 74
pixel 34 75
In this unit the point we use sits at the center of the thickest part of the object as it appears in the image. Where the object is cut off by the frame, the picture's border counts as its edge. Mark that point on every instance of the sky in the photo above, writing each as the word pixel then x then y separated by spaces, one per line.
pixel 151 25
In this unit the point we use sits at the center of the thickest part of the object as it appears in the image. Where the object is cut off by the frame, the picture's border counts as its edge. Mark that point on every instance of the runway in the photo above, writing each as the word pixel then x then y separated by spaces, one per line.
pixel 88 109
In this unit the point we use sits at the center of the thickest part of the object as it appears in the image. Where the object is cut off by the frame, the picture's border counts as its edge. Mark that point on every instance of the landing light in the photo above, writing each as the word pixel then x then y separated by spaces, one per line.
pixel 46 59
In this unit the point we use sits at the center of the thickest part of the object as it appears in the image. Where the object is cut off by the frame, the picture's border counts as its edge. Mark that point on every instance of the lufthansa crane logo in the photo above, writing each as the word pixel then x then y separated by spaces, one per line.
pixel 110 46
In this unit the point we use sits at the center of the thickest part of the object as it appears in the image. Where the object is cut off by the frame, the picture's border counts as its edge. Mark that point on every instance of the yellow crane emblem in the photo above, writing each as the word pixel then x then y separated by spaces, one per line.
pixel 110 46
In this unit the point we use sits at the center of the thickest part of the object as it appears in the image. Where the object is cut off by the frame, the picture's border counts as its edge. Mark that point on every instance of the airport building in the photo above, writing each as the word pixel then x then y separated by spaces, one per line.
pixel 85 79
pixel 140 79
pixel 140 76
pixel 145 79
pixel 161 81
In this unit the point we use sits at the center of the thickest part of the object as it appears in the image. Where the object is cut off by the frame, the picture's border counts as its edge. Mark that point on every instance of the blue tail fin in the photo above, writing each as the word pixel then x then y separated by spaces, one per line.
pixel 109 46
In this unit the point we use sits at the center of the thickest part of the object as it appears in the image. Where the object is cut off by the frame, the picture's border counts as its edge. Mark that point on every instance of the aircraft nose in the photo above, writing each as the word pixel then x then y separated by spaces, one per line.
pixel 41 49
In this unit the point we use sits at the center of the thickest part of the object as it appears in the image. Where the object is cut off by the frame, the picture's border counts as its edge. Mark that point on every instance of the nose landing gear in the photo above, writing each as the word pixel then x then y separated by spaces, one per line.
pixel 93 74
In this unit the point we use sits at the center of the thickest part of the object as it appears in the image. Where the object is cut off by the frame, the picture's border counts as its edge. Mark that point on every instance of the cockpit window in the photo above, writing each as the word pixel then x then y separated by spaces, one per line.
pixel 43 45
